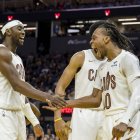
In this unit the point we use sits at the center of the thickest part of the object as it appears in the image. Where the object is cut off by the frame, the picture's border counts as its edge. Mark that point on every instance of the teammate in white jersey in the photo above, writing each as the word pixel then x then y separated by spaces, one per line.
pixel 26 108
pixel 83 67
pixel 119 79
pixel 12 85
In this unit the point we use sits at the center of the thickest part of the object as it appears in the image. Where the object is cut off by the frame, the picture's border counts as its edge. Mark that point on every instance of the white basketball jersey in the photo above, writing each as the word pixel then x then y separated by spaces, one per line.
pixel 85 78
pixel 116 90
pixel 10 99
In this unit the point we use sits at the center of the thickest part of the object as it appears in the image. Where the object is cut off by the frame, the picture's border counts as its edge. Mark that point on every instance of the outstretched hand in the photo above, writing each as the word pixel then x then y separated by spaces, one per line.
pixel 56 101
pixel 62 128
pixel 50 108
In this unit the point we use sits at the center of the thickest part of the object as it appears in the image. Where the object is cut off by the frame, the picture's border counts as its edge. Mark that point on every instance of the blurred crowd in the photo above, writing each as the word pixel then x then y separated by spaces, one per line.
pixel 49 133
pixel 7 6
pixel 74 4
pixel 44 70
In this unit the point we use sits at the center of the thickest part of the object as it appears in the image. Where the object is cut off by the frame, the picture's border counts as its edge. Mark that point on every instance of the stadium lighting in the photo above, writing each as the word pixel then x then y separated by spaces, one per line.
pixel 57 15
pixel 30 28
pixel 130 23
pixel 107 12
pixel 127 19
pixel 76 26
pixel 10 17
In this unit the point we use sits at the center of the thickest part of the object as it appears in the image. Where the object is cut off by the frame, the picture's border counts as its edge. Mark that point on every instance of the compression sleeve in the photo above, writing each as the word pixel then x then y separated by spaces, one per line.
pixel 29 114
pixel 131 69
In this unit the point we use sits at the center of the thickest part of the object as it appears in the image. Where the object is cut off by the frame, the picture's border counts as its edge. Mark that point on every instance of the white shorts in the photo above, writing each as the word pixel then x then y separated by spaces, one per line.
pixel 85 124
pixel 111 121
pixel 12 125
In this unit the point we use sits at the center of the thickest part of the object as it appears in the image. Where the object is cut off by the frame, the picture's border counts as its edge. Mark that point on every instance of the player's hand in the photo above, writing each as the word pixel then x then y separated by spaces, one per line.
pixel 67 128
pixel 56 101
pixel 38 131
pixel 50 108
pixel 62 129
pixel 119 130
pixel 127 136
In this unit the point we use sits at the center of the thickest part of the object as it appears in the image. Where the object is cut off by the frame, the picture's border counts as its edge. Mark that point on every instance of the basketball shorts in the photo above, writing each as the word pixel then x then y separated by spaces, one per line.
pixel 113 120
pixel 85 124
pixel 12 125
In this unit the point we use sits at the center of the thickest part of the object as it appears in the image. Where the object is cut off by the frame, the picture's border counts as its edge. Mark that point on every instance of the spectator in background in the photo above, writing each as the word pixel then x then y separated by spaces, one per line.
pixel 31 137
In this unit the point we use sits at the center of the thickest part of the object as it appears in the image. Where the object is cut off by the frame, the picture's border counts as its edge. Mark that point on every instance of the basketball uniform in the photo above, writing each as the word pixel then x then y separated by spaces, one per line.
pixel 116 86
pixel 85 123
pixel 12 119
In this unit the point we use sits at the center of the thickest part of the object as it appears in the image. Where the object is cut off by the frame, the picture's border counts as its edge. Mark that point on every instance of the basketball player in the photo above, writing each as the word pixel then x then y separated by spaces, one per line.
pixel 12 120
pixel 85 123
pixel 119 80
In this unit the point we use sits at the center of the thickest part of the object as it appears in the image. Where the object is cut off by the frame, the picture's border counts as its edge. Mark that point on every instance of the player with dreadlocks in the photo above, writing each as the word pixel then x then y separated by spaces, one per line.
pixel 117 84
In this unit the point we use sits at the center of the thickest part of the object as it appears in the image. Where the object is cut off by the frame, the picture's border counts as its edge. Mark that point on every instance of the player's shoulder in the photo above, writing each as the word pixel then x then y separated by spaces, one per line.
pixel 4 52
pixel 129 56
pixel 77 59
pixel 81 54
pixel 1 45
pixel 78 55
pixel 128 59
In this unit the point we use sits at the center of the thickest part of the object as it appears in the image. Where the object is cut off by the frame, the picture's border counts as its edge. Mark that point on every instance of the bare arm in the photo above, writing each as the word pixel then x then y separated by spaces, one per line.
pixel 75 63
pixel 91 101
pixel 9 71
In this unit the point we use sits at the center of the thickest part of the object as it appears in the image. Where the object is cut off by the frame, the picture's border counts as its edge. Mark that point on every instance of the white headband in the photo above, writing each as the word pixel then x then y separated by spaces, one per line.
pixel 10 25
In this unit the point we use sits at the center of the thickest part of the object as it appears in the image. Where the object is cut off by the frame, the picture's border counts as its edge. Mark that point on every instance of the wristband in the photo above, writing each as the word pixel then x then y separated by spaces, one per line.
pixel 56 120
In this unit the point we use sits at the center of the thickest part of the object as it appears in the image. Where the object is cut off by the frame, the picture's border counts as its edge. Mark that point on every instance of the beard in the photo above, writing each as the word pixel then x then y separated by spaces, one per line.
pixel 19 43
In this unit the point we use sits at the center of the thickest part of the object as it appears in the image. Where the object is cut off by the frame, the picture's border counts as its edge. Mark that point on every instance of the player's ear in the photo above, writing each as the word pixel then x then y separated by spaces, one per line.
pixel 106 39
pixel 8 32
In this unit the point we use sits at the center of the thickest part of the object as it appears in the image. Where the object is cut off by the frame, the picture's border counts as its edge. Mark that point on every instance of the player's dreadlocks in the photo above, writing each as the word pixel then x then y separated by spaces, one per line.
pixel 111 30
pixel 94 26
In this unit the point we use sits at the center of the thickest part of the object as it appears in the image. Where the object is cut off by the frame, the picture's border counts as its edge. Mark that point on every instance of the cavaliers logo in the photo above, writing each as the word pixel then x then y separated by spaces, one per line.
pixel 92 74
pixel 109 82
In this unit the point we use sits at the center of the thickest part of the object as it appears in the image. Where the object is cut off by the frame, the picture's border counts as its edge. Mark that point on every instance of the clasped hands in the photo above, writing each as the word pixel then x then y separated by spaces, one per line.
pixel 56 102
